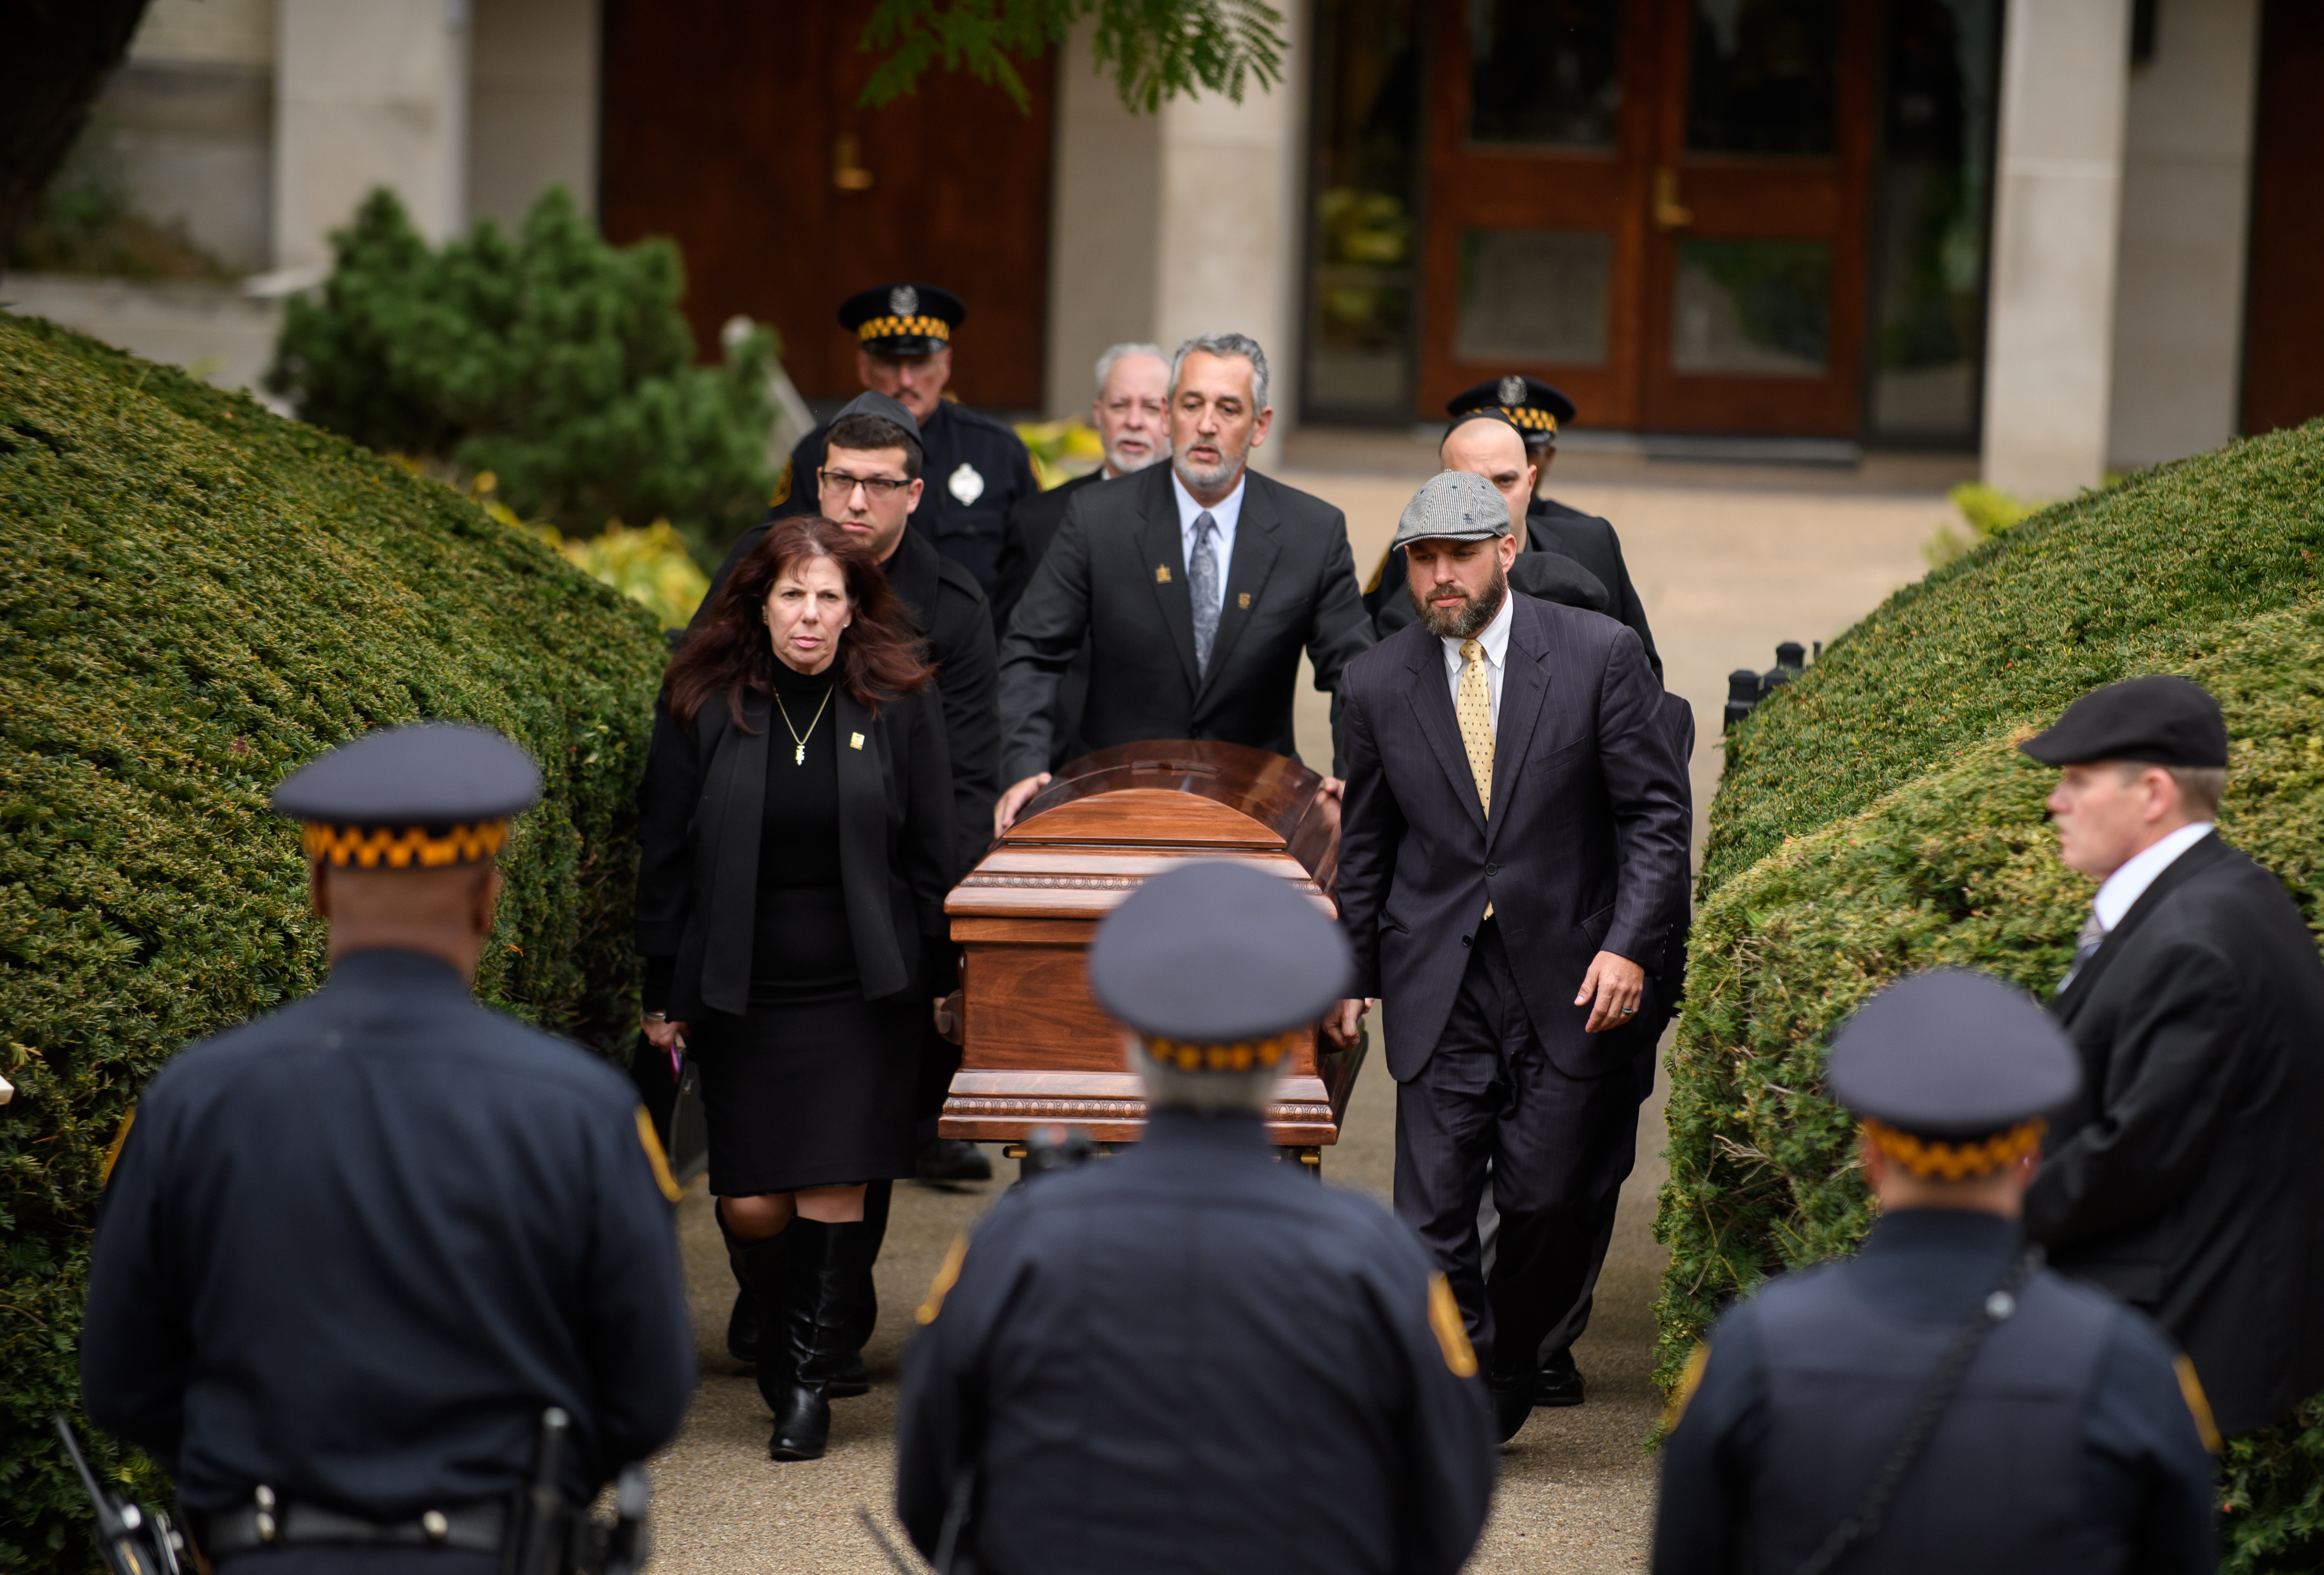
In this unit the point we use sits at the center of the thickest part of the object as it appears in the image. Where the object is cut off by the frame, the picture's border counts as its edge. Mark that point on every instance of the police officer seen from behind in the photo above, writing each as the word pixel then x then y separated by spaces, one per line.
pixel 1193 1357
pixel 2187 1178
pixel 975 466
pixel 1939 1402
pixel 349 1253
pixel 1539 409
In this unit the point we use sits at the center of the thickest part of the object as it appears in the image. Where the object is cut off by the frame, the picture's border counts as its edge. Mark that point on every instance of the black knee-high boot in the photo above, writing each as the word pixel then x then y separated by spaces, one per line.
pixel 760 1270
pixel 813 1336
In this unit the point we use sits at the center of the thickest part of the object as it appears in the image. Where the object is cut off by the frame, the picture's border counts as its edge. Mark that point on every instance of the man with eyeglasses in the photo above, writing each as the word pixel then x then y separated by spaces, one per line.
pixel 974 465
pixel 870 479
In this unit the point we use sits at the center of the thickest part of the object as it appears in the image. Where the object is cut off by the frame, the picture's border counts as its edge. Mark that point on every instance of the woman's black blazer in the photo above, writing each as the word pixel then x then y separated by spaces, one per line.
pixel 699 812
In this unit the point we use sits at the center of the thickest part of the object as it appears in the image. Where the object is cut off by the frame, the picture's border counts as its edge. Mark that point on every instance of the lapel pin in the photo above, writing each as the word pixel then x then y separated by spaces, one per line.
pixel 854 741
pixel 1242 599
pixel 1161 573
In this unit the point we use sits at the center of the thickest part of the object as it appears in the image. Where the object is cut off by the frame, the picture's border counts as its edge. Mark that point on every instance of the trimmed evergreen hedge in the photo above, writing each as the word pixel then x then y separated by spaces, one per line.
pixel 1875 819
pixel 198 597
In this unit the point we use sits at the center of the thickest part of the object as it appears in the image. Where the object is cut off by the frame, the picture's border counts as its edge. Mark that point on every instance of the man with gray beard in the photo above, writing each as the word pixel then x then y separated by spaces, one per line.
pixel 1512 853
pixel 1197 584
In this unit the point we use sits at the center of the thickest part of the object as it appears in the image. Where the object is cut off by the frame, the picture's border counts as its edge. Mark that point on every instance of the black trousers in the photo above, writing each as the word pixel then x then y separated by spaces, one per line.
pixel 1558 1148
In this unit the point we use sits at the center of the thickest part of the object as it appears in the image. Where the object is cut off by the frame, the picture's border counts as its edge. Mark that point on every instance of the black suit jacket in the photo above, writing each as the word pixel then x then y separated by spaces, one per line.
pixel 2188 1177
pixel 949 612
pixel 1117 573
pixel 699 812
pixel 1586 850
pixel 1592 543
pixel 1033 524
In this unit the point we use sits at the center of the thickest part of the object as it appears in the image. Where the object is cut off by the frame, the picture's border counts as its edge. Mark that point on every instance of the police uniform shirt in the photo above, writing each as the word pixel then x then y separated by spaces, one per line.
pixel 976 469
pixel 351 1251
pixel 1190 1357
pixel 2074 1443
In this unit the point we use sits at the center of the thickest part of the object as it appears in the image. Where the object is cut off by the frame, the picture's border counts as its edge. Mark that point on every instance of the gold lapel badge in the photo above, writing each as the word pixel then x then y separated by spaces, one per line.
pixel 1242 599
pixel 1161 573
pixel 854 741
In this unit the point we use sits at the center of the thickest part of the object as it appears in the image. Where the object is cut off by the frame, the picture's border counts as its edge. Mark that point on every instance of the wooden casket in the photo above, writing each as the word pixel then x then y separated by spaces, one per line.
pixel 1035 1048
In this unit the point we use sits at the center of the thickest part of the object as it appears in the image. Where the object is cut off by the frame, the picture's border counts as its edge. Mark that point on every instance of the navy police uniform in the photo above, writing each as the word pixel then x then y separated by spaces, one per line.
pixel 348 1253
pixel 975 465
pixel 2070 1441
pixel 1191 1357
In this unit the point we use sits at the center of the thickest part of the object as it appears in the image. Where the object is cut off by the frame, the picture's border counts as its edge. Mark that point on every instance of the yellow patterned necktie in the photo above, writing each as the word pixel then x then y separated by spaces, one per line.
pixel 1473 705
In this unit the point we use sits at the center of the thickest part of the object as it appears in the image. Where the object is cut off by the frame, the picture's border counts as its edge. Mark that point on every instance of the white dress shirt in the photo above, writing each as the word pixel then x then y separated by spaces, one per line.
pixel 2127 885
pixel 1223 514
pixel 1495 640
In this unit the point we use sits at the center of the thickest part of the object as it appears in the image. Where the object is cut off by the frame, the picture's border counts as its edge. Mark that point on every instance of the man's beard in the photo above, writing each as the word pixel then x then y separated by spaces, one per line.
pixel 1463 621
pixel 1230 466
pixel 1122 464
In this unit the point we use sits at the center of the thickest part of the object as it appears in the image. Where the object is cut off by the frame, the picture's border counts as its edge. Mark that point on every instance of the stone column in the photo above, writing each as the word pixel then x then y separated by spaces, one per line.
pixel 1104 221
pixel 2186 199
pixel 368 93
pixel 2058 190
pixel 532 106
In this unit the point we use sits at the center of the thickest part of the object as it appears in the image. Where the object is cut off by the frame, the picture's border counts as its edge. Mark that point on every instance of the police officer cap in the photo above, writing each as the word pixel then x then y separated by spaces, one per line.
pixel 1454 505
pixel 2158 719
pixel 423 797
pixel 1536 407
pixel 1951 1056
pixel 872 404
pixel 902 319
pixel 1217 966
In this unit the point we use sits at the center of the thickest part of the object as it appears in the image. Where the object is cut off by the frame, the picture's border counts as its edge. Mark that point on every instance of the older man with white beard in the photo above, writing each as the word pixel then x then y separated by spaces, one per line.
pixel 1196 583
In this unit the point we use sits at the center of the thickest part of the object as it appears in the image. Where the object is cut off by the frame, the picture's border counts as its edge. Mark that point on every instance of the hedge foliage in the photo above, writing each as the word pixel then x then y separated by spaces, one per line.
pixel 196 597
pixel 1875 819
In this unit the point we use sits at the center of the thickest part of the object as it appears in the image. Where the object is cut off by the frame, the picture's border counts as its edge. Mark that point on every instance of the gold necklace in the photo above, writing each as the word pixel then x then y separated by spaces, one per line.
pixel 799 739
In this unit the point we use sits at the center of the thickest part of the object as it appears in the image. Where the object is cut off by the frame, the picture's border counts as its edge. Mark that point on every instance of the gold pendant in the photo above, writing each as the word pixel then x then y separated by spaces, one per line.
pixel 798 755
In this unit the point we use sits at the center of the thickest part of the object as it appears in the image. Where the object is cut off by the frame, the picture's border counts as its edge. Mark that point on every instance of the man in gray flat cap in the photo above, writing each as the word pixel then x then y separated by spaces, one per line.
pixel 1513 855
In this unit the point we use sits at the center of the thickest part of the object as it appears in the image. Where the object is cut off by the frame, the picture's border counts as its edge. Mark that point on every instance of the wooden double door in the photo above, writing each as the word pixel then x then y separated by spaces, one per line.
pixel 1660 206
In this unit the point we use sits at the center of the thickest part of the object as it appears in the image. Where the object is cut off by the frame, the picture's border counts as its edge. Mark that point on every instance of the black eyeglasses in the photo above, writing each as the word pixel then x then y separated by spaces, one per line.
pixel 876 486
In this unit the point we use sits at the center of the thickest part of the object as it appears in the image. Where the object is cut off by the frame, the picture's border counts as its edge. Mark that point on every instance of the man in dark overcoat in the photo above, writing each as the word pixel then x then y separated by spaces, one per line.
pixel 2188 1177
pixel 1513 857
pixel 1191 1356
pixel 1197 584
pixel 350 1253
pixel 1939 1401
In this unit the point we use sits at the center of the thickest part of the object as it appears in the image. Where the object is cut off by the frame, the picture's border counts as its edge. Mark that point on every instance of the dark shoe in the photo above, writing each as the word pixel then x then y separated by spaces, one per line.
pixel 1559 1382
pixel 743 1325
pixel 814 1339
pixel 952 1159
pixel 1511 1406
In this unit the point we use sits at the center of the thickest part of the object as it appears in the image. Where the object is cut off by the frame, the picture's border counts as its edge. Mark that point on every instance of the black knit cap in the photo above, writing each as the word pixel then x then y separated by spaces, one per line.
pixel 2160 720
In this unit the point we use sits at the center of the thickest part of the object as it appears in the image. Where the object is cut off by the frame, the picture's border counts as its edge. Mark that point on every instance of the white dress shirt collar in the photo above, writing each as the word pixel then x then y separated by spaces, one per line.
pixel 2126 886
pixel 1494 638
pixel 1224 514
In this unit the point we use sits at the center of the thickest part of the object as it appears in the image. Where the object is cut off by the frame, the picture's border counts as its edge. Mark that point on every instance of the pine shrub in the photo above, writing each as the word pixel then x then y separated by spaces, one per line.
pixel 1875 819
pixel 199 597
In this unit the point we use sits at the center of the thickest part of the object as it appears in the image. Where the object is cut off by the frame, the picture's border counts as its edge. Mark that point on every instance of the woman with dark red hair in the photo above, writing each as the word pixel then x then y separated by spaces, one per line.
pixel 796 822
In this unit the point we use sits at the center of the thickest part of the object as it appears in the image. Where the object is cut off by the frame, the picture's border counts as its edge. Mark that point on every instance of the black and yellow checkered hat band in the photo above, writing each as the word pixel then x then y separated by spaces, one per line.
pixel 1242 1057
pixel 1533 419
pixel 411 847
pixel 1934 1160
pixel 891 327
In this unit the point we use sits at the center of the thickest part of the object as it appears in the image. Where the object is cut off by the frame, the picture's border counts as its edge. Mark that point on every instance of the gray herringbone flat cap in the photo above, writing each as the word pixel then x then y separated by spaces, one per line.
pixel 1454 505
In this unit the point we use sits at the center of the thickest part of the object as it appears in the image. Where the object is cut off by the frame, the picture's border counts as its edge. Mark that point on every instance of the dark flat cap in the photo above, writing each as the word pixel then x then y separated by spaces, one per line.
pixel 1214 953
pixel 870 402
pixel 1951 1056
pixel 902 319
pixel 1536 407
pixel 434 793
pixel 2159 719
pixel 1454 505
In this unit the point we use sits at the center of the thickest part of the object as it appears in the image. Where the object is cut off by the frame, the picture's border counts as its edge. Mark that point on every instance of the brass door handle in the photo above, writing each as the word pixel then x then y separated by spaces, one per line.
pixel 847 170
pixel 1668 212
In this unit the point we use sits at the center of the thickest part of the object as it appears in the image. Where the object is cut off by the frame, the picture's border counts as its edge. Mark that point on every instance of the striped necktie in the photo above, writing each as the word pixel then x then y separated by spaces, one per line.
pixel 2091 935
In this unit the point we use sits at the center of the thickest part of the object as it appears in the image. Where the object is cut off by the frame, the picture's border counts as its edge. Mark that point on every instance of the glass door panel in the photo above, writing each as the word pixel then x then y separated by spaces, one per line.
pixel 1544 73
pixel 1534 296
pixel 1764 78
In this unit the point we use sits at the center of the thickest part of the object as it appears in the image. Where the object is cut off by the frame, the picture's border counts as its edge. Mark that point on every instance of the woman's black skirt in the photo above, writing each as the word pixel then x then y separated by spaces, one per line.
pixel 809 1095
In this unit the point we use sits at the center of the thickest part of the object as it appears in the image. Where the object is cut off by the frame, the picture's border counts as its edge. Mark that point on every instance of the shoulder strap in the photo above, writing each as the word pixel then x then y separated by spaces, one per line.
pixel 1936 1399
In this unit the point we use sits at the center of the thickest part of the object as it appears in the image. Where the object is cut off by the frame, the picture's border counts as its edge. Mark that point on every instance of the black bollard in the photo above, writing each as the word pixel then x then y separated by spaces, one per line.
pixel 1742 693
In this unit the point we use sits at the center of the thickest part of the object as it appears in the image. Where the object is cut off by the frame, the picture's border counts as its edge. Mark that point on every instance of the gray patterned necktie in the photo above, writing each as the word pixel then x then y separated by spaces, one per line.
pixel 2091 935
pixel 1203 584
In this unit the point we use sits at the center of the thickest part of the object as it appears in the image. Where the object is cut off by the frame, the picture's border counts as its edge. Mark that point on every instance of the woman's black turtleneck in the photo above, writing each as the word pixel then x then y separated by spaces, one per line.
pixel 801 949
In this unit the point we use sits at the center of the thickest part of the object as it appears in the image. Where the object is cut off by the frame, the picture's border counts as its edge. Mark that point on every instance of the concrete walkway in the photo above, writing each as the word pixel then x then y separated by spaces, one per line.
pixel 1729 561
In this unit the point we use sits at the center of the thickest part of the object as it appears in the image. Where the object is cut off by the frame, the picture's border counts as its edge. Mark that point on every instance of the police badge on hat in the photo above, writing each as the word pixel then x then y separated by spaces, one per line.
pixel 967 484
pixel 904 301
pixel 902 319
pixel 1512 390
